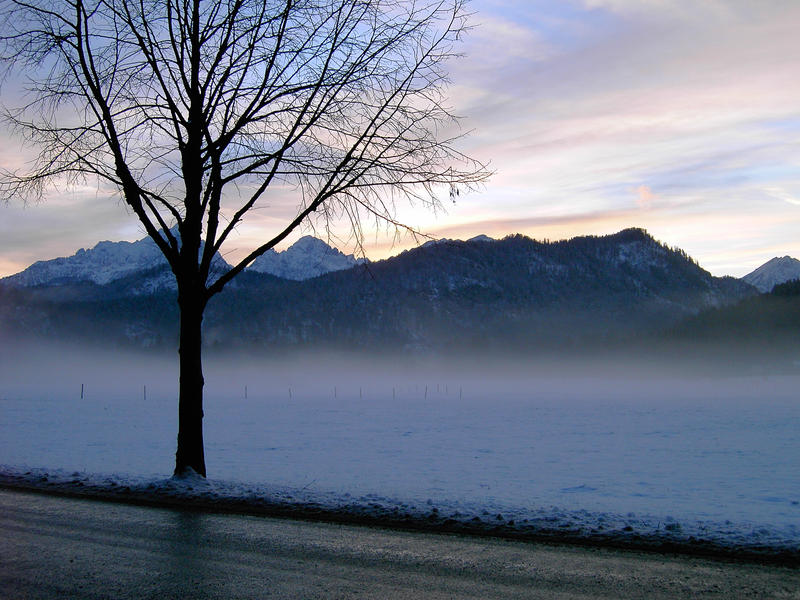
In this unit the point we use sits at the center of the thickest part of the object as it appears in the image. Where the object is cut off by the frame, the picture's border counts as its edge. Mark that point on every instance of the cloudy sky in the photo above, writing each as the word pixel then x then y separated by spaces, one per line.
pixel 678 116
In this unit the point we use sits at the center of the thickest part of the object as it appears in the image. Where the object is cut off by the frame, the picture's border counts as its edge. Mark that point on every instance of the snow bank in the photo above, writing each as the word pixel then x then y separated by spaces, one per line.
pixel 743 540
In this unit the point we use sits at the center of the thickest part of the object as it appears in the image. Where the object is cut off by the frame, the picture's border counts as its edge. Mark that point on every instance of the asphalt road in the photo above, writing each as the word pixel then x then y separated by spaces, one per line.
pixel 65 548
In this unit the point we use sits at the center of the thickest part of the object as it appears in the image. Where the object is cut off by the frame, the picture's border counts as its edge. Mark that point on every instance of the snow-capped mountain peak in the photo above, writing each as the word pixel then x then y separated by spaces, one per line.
pixel 308 257
pixel 774 271
pixel 311 245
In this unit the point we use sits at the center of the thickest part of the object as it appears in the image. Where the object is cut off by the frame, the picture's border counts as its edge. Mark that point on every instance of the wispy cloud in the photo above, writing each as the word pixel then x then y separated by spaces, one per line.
pixel 699 101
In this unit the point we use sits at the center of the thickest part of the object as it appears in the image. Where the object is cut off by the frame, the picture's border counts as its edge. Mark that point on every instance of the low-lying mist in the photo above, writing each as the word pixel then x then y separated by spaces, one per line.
pixel 67 370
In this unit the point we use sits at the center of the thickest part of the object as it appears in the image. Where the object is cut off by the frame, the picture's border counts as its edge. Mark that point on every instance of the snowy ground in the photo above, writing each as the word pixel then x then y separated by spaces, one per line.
pixel 622 453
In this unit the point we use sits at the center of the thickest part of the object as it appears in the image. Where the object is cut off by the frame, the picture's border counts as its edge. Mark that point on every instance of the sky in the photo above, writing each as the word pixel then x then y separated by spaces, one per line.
pixel 678 116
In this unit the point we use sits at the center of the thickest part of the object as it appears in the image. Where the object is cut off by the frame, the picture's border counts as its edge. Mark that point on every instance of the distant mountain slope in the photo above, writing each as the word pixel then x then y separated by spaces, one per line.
pixel 773 272
pixel 308 257
pixel 510 295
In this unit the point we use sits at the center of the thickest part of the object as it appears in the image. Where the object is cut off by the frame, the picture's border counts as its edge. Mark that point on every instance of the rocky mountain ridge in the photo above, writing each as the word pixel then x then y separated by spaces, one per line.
pixel 102 264
pixel 105 263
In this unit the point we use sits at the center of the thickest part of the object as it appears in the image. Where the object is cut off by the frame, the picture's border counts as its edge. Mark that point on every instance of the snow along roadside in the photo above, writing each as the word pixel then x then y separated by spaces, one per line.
pixel 727 540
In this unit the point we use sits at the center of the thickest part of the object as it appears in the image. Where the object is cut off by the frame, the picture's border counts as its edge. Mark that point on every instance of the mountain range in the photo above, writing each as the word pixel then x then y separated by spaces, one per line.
pixel 108 262
pixel 510 295
pixel 308 257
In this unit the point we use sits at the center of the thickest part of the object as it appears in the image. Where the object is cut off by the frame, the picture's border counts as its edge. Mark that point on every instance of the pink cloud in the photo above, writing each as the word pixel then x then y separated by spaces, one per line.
pixel 644 196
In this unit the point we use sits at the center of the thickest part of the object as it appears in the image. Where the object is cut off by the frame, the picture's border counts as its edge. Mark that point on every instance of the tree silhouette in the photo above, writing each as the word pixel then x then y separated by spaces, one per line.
pixel 200 111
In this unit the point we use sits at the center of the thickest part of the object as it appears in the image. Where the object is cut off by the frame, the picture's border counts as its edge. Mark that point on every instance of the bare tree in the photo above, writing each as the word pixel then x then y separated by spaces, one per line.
pixel 196 110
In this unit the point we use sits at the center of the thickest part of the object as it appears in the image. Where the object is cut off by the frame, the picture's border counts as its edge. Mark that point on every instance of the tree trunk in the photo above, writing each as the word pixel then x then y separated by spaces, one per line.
pixel 190 454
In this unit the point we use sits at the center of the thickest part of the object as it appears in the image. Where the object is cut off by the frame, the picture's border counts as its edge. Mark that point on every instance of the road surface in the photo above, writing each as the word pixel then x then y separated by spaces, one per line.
pixel 66 548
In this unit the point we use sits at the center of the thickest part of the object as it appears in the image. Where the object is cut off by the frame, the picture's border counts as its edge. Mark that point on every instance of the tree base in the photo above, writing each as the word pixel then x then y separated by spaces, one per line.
pixel 187 473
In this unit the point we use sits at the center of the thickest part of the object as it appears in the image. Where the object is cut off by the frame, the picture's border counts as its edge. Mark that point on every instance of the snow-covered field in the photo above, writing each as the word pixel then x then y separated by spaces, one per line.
pixel 705 456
